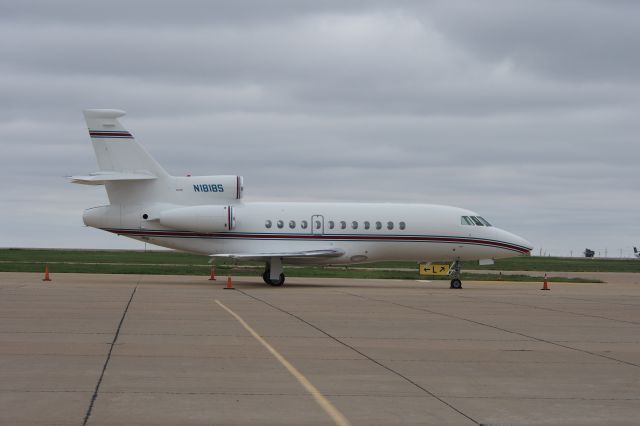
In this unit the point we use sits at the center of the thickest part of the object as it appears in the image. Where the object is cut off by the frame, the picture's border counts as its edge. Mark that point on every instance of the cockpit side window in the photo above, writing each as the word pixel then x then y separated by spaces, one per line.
pixel 464 220
pixel 483 220
pixel 476 221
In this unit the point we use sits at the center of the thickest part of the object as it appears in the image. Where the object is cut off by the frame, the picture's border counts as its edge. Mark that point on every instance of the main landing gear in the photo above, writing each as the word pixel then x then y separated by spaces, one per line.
pixel 455 275
pixel 273 272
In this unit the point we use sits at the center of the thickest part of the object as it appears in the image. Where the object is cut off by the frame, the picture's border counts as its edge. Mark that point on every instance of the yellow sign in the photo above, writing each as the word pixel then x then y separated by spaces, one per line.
pixel 434 269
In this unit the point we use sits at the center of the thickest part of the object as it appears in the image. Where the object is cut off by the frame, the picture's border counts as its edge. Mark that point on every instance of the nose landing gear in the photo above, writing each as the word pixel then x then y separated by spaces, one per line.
pixel 455 275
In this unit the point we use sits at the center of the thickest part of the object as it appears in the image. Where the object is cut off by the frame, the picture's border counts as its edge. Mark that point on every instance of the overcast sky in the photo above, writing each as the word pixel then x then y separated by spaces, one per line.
pixel 527 112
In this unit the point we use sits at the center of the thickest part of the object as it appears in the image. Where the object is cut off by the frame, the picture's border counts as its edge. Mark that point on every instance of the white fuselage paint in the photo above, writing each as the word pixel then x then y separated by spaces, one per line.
pixel 431 232
pixel 207 214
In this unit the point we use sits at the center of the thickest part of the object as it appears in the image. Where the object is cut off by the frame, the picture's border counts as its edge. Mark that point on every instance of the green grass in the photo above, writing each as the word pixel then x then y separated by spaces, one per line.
pixel 175 263
pixel 100 256
pixel 540 264
pixel 561 264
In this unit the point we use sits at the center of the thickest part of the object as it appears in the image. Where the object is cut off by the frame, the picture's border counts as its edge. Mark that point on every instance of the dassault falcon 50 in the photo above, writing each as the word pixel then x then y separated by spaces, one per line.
pixel 207 215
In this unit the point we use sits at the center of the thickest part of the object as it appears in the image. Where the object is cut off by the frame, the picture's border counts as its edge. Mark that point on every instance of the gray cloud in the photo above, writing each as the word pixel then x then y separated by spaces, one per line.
pixel 569 40
pixel 525 112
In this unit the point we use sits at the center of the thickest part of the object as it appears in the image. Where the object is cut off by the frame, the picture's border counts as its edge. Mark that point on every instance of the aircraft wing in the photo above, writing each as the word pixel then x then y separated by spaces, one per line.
pixel 99 178
pixel 290 255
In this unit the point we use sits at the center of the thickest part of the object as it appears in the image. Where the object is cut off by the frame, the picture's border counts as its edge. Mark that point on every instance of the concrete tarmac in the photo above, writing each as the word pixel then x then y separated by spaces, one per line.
pixel 126 349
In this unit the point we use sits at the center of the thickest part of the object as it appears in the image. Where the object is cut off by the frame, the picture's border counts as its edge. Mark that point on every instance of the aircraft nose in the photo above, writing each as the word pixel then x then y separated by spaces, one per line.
pixel 525 243
pixel 517 241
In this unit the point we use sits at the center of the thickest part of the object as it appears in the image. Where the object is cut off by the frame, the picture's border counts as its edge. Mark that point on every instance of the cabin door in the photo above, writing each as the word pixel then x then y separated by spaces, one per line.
pixel 317 224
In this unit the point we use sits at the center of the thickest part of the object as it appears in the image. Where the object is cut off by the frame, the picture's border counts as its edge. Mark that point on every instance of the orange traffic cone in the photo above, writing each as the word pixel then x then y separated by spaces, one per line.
pixel 229 284
pixel 46 273
pixel 213 274
pixel 545 285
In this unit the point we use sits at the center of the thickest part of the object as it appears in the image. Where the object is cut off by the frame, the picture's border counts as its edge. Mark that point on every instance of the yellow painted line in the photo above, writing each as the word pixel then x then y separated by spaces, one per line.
pixel 323 402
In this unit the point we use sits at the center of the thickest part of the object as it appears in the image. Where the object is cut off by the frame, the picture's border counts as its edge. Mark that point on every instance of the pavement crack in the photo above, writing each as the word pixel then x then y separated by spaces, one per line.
pixel 544 308
pixel 602 303
pixel 495 327
pixel 106 362
pixel 373 360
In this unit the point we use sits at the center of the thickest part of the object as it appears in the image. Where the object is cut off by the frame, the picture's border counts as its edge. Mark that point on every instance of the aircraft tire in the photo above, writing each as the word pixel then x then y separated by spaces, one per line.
pixel 268 280
pixel 456 283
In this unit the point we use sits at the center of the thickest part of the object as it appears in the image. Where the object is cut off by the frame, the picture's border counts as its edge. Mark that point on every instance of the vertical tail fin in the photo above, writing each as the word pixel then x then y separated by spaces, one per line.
pixel 116 149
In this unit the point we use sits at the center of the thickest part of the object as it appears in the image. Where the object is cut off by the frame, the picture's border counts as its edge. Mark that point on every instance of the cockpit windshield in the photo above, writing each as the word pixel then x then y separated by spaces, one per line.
pixel 474 221
pixel 484 221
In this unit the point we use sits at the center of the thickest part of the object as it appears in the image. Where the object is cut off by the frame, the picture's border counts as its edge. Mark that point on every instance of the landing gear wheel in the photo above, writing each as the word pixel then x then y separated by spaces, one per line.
pixel 455 275
pixel 267 279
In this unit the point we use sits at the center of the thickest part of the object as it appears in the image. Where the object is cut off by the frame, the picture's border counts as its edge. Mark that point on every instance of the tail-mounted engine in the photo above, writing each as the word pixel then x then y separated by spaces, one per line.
pixel 207 219
pixel 210 189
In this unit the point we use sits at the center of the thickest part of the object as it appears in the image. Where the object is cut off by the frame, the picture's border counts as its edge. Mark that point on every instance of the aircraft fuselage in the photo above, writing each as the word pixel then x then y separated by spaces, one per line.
pixel 363 231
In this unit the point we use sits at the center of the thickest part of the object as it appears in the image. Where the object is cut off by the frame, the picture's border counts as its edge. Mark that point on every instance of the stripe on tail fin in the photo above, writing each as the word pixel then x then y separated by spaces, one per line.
pixel 116 149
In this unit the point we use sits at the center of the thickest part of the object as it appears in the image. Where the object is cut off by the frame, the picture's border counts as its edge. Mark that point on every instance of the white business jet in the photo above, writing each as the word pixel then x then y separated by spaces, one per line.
pixel 206 215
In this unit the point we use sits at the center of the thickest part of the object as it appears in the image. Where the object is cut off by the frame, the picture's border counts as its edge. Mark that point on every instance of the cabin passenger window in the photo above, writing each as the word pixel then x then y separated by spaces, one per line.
pixel 367 225
pixel 464 220
pixel 389 225
pixel 331 224
pixel 304 224
pixel 476 221
pixel 343 224
pixel 280 224
pixel 292 224
pixel 318 224
pixel 268 224
pixel 354 225
pixel 402 226
pixel 378 225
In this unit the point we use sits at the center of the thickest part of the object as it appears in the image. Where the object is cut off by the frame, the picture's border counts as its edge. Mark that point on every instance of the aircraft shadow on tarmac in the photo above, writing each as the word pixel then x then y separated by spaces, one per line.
pixel 292 285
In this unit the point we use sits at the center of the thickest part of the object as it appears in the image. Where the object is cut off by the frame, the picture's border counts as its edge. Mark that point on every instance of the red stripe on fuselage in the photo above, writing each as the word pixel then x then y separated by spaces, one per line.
pixel 112 134
pixel 392 238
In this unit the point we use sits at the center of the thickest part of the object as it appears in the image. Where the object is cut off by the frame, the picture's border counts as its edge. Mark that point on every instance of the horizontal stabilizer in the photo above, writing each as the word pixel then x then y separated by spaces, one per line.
pixel 293 254
pixel 100 178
